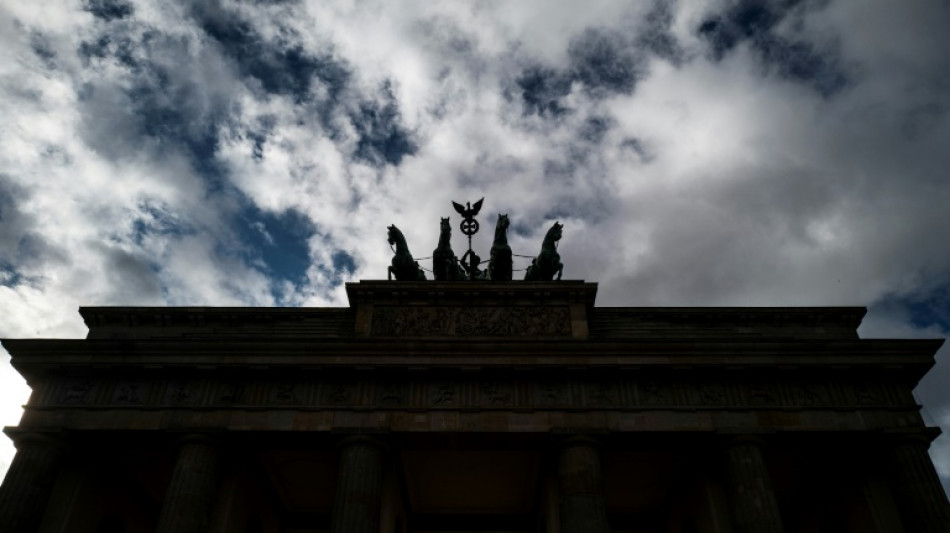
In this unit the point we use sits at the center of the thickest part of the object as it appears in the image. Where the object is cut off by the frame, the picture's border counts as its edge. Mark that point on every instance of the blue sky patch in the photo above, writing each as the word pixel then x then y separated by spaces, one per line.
pixel 275 241
pixel 924 310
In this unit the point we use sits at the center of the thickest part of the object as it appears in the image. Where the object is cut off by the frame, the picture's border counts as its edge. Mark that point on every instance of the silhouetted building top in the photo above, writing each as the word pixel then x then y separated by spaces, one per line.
pixel 492 406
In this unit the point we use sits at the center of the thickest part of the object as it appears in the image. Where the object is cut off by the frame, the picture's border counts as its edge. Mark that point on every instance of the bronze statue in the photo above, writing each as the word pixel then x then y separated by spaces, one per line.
pixel 499 265
pixel 445 265
pixel 403 267
pixel 548 261
pixel 470 262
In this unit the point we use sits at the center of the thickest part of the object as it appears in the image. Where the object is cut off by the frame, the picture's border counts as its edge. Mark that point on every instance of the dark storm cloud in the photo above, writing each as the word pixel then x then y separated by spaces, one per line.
pixel 603 61
pixel 541 90
pixel 755 22
pixel 655 36
pixel 108 10
pixel 133 277
pixel 281 67
pixel 156 100
pixel 382 138
pixel 153 219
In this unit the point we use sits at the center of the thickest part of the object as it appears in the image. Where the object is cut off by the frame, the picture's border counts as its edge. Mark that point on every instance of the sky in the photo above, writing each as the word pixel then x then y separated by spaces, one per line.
pixel 252 153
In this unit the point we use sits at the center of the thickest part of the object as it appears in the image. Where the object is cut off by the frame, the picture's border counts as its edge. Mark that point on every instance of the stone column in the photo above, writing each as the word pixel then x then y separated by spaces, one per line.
pixel 581 487
pixel 193 488
pixel 359 486
pixel 754 508
pixel 29 482
pixel 922 503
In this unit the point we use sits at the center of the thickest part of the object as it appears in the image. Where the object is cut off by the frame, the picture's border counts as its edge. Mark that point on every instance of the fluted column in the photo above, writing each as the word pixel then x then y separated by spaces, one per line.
pixel 29 482
pixel 359 486
pixel 192 491
pixel 921 500
pixel 754 508
pixel 581 488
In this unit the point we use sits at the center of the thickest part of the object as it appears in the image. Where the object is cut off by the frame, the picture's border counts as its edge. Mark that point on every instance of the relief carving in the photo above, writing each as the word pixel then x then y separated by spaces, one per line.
pixel 810 393
pixel 520 321
pixel 232 393
pixel 760 394
pixel 390 395
pixel 867 393
pixel 128 393
pixel 602 393
pixel 76 392
pixel 285 393
pixel 710 393
pixel 551 393
pixel 179 392
pixel 495 395
pixel 654 393
pixel 339 394
pixel 443 395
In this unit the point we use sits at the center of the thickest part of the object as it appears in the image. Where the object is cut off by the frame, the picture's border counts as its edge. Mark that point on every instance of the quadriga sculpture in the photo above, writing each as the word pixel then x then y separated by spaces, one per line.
pixel 404 267
pixel 445 265
pixel 548 262
pixel 499 265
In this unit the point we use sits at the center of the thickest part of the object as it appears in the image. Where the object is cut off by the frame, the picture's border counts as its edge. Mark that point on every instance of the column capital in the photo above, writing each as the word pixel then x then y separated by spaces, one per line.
pixel 919 438
pixel 196 438
pixel 578 440
pixel 361 438
pixel 54 441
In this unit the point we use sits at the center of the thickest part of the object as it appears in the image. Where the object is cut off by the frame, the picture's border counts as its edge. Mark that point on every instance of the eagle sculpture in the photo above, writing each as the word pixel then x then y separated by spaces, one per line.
pixel 467 211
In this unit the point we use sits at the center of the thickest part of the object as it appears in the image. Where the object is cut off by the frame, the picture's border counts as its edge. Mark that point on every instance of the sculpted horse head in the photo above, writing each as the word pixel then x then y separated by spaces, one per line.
pixel 548 262
pixel 394 236
pixel 552 236
pixel 445 230
pixel 501 227
pixel 499 266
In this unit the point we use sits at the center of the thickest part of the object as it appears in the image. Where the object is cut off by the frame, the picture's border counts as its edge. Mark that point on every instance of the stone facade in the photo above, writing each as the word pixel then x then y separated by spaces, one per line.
pixel 439 407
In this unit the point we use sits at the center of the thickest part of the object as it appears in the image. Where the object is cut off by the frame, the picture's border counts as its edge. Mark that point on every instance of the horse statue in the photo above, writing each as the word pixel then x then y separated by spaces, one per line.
pixel 403 267
pixel 499 264
pixel 548 262
pixel 445 265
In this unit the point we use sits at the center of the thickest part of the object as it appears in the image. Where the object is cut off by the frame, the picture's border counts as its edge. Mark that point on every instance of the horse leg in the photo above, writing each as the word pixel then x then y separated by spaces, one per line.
pixel 390 269
pixel 560 269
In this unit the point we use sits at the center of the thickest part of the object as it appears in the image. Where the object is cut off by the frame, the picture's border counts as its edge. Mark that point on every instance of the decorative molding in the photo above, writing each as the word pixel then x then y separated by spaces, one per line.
pixel 495 321
pixel 599 393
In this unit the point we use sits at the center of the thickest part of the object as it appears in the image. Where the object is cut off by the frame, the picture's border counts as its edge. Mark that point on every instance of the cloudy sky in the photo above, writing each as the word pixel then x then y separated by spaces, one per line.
pixel 698 153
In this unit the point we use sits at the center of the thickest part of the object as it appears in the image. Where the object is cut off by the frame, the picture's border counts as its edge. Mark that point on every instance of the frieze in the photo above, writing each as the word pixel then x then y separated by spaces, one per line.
pixel 181 393
pixel 488 321
pixel 497 394
pixel 129 393
pixel 77 392
pixel 480 393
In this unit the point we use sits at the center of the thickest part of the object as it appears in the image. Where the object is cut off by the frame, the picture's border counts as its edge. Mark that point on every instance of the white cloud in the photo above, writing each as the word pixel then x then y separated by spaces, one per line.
pixel 709 182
